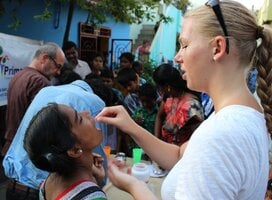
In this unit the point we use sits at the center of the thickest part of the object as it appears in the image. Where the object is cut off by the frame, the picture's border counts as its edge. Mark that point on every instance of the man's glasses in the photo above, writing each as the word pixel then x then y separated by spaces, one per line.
pixel 214 4
pixel 58 66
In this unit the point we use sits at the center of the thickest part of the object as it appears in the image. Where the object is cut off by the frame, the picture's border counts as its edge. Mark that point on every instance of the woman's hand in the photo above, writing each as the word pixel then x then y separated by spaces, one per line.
pixel 138 189
pixel 118 178
pixel 116 116
pixel 98 170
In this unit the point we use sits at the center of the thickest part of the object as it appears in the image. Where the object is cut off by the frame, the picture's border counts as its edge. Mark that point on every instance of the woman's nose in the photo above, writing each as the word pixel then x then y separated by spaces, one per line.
pixel 178 57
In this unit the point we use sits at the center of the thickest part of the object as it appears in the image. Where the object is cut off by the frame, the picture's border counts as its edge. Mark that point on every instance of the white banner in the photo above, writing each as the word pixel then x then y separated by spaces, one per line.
pixel 15 54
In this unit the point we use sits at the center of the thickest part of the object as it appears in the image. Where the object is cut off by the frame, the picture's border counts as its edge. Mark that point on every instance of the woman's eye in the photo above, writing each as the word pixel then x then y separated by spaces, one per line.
pixel 184 46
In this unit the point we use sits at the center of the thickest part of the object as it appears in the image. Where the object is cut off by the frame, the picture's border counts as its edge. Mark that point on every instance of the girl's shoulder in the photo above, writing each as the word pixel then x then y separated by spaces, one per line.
pixel 85 189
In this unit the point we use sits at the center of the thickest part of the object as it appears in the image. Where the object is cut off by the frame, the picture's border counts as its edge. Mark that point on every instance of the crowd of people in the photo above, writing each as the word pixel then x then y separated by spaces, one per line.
pixel 212 133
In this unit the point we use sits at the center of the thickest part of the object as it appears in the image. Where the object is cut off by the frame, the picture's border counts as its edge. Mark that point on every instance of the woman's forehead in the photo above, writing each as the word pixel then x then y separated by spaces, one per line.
pixel 190 30
pixel 188 26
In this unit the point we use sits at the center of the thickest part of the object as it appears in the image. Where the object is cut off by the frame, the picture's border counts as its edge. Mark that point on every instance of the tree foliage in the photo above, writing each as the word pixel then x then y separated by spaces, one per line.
pixel 128 11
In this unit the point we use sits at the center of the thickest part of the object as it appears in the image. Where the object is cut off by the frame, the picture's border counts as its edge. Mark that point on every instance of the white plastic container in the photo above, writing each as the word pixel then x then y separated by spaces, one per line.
pixel 141 171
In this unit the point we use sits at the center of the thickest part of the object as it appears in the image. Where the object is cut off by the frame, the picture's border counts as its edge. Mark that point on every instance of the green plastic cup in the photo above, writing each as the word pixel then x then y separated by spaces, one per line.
pixel 137 155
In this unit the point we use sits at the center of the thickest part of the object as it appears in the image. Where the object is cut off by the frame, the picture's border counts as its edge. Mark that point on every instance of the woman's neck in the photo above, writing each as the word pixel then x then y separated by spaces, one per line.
pixel 235 93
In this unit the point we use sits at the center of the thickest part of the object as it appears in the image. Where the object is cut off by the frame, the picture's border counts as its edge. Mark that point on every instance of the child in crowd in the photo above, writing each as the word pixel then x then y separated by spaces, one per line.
pixel 145 115
pixel 108 79
pixel 180 112
pixel 97 63
pixel 60 140
pixel 126 60
pixel 129 79
pixel 138 67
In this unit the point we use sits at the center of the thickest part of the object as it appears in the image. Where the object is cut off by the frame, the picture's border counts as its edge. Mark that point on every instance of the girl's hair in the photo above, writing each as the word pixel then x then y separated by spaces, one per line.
pixel 97 54
pixel 126 75
pixel 251 42
pixel 107 73
pixel 167 75
pixel 129 56
pixel 137 66
pixel 47 139
pixel 101 90
pixel 148 90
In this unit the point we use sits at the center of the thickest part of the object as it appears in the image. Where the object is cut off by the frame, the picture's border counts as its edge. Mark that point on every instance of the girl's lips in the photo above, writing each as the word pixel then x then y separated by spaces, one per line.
pixel 99 130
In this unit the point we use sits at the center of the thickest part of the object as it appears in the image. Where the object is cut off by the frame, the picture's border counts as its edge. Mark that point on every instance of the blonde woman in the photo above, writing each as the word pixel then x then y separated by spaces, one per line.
pixel 227 156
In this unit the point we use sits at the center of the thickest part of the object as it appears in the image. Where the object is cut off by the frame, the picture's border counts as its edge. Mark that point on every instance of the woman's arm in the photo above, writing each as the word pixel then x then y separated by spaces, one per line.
pixel 118 116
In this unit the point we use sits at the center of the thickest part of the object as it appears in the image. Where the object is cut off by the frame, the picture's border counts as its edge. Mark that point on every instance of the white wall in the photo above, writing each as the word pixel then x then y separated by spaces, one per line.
pixel 136 28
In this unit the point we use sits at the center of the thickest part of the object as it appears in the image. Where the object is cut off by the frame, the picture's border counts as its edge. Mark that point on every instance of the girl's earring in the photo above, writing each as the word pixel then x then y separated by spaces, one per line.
pixel 168 89
pixel 80 151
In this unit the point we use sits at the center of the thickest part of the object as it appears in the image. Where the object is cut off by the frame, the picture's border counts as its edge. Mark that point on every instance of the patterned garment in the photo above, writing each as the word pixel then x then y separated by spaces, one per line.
pixel 207 105
pixel 79 95
pixel 252 79
pixel 132 102
pixel 80 190
pixel 183 115
pixel 145 118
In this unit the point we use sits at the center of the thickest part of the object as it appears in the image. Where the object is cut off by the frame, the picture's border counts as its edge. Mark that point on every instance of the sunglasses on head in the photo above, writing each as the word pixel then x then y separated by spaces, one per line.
pixel 214 4
pixel 58 66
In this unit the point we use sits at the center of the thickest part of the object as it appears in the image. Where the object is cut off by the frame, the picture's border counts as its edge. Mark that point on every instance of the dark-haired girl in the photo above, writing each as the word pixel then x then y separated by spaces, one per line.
pixel 60 140
pixel 180 112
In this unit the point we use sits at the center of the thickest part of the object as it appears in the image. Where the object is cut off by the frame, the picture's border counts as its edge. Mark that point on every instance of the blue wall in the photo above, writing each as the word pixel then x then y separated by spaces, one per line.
pixel 48 30
pixel 164 43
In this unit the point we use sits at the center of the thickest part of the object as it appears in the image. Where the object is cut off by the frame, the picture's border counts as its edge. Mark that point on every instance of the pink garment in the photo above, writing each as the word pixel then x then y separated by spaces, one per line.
pixel 179 111
pixel 143 49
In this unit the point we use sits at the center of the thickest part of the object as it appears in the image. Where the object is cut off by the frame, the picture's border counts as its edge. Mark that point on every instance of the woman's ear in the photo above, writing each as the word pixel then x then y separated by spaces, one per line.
pixel 75 152
pixel 219 47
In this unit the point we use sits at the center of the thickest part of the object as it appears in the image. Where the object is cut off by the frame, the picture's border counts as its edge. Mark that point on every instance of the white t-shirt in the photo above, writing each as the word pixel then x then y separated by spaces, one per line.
pixel 226 158
pixel 82 68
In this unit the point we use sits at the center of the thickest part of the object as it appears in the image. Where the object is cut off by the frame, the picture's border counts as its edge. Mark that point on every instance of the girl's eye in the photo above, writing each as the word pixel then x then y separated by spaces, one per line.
pixel 80 119
pixel 184 46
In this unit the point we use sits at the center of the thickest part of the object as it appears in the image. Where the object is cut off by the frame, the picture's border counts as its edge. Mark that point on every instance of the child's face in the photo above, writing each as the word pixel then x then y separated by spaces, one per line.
pixel 124 63
pixel 132 86
pixel 83 127
pixel 107 81
pixel 148 102
pixel 97 63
